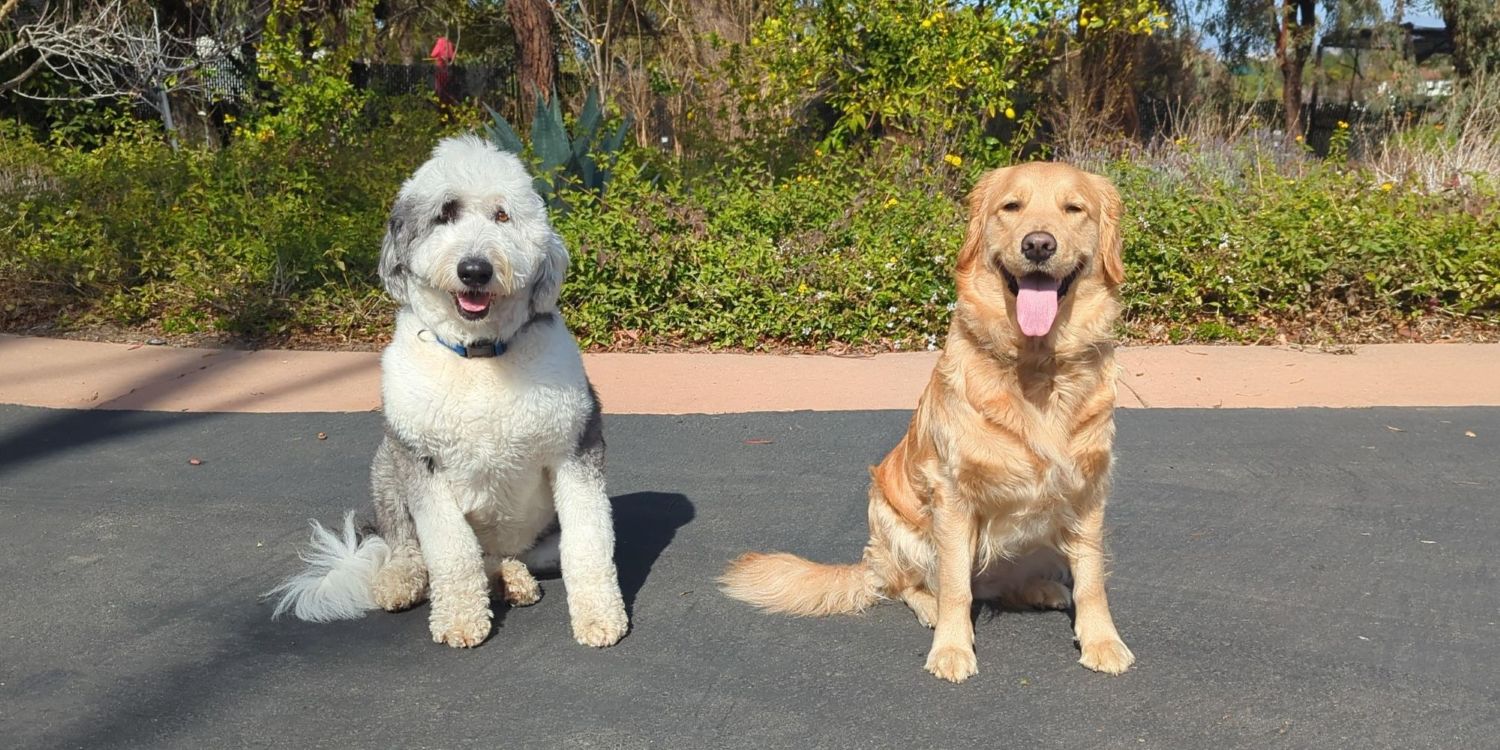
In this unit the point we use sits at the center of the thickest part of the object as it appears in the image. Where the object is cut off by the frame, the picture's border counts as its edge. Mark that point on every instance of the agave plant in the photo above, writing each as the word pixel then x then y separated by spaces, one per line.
pixel 582 161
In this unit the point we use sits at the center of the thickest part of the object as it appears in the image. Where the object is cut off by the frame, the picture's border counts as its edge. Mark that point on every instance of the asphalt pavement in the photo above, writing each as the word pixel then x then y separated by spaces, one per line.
pixel 1287 578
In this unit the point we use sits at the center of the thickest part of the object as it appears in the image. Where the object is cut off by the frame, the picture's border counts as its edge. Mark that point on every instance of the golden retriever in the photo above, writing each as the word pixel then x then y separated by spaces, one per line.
pixel 998 489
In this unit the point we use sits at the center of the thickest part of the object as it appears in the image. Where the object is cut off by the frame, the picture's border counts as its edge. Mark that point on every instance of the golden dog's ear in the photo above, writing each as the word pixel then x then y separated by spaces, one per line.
pixel 979 210
pixel 1111 244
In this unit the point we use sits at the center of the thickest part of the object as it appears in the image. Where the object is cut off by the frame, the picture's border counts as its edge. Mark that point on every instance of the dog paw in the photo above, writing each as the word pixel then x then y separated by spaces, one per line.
pixel 952 664
pixel 460 629
pixel 521 588
pixel 397 587
pixel 923 605
pixel 1109 657
pixel 1044 595
pixel 602 627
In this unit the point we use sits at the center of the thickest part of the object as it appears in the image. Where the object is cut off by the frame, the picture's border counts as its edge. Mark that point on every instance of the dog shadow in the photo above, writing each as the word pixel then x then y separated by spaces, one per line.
pixel 645 525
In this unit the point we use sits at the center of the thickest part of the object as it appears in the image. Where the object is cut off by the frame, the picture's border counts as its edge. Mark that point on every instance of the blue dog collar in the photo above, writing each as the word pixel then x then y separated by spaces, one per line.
pixel 476 350
pixel 486 349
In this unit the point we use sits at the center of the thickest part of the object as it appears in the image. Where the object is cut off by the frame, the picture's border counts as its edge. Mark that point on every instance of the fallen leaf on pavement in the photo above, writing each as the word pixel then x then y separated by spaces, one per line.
pixel 759 441
pixel 196 461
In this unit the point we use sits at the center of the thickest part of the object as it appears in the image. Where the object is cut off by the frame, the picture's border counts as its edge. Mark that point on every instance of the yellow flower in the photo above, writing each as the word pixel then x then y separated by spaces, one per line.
pixel 1386 186
pixel 802 288
pixel 891 201
pixel 228 119
pixel 954 159
pixel 1299 139
pixel 1343 125
pixel 927 23
pixel 1010 113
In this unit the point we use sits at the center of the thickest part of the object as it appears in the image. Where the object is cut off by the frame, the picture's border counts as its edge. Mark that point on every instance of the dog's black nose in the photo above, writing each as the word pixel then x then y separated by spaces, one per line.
pixel 475 272
pixel 1038 246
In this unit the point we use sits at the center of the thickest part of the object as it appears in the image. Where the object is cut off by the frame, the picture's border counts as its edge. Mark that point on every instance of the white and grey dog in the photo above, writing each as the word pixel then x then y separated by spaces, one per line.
pixel 492 429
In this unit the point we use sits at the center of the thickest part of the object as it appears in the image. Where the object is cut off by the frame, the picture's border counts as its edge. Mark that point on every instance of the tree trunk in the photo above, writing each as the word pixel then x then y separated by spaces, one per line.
pixel 1294 37
pixel 536 51
pixel 1475 26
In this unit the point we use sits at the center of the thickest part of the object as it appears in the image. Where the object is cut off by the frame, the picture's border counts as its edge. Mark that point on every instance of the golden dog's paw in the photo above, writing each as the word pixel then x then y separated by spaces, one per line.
pixel 397 586
pixel 1109 657
pixel 1045 595
pixel 460 630
pixel 923 604
pixel 600 627
pixel 952 663
pixel 521 588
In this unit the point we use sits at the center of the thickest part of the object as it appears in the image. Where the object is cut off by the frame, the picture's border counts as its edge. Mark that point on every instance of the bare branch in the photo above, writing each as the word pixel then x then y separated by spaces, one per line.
pixel 111 56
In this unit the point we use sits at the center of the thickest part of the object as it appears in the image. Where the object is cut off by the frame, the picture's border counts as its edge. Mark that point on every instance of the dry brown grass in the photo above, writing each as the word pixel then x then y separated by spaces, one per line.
pixel 1460 149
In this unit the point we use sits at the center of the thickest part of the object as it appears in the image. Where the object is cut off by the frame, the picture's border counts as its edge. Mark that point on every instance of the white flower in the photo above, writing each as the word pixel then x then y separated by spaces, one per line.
pixel 891 309
pixel 890 324
pixel 938 259
pixel 898 345
pixel 806 331
pixel 952 306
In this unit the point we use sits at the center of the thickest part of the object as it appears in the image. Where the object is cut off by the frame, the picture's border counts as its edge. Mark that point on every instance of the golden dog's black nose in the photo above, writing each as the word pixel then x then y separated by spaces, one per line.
pixel 1038 246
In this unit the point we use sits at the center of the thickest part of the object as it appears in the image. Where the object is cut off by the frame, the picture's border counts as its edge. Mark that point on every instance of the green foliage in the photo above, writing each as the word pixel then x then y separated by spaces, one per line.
pixel 1236 257
pixel 935 69
pixel 854 248
pixel 314 100
pixel 849 251
pixel 583 161
pixel 253 239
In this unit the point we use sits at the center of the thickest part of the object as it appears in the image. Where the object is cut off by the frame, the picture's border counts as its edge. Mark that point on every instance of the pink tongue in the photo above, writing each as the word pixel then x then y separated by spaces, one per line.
pixel 473 302
pixel 1036 303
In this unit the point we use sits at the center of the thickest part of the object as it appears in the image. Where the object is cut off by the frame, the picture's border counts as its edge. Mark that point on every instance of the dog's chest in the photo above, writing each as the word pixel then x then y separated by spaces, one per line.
pixel 485 419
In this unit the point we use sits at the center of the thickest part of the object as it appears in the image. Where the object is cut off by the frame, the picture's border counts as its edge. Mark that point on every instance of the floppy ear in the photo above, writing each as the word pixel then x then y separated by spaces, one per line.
pixel 1111 244
pixel 550 273
pixel 979 211
pixel 395 249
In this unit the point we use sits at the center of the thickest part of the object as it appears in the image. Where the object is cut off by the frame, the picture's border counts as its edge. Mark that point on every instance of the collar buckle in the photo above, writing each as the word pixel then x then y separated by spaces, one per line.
pixel 482 349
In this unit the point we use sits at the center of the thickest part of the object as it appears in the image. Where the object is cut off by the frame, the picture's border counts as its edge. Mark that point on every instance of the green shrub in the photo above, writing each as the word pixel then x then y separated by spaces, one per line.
pixel 267 238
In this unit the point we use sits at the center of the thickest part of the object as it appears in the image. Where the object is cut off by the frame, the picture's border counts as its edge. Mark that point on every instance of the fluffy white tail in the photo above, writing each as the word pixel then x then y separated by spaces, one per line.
pixel 337 584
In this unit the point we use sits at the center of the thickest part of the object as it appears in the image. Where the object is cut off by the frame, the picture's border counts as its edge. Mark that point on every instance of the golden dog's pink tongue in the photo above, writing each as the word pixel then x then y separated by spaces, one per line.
pixel 1036 303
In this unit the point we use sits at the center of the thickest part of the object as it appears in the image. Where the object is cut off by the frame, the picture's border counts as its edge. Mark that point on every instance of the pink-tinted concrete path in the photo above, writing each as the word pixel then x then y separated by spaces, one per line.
pixel 86 375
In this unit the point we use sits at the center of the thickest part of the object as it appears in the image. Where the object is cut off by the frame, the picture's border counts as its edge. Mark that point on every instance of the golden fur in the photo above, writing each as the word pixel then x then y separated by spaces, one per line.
pixel 999 486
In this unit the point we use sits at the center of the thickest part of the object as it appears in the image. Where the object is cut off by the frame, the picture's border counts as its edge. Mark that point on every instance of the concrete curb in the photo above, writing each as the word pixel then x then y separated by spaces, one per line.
pixel 86 375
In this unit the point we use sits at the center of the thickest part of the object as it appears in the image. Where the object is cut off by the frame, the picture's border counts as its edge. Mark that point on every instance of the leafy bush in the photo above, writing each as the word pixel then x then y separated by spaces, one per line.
pixel 934 69
pixel 268 236
pixel 852 249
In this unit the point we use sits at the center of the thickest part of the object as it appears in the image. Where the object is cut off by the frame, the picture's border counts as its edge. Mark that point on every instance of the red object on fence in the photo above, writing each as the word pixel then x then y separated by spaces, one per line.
pixel 442 56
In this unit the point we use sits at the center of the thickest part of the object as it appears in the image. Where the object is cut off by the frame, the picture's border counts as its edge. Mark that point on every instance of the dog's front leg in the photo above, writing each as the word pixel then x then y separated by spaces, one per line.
pixel 1103 651
pixel 587 548
pixel 457 584
pixel 953 529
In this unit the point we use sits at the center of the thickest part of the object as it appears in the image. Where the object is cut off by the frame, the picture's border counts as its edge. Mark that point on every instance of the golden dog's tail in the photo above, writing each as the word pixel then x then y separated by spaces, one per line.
pixel 781 582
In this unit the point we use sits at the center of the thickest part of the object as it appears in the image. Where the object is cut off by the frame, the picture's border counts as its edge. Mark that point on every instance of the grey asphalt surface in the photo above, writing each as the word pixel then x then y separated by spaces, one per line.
pixel 1309 578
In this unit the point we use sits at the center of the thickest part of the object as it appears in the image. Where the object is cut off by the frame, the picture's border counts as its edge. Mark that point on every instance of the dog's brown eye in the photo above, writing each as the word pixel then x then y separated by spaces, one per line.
pixel 449 213
pixel 501 216
pixel 1011 206
pixel 1074 208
